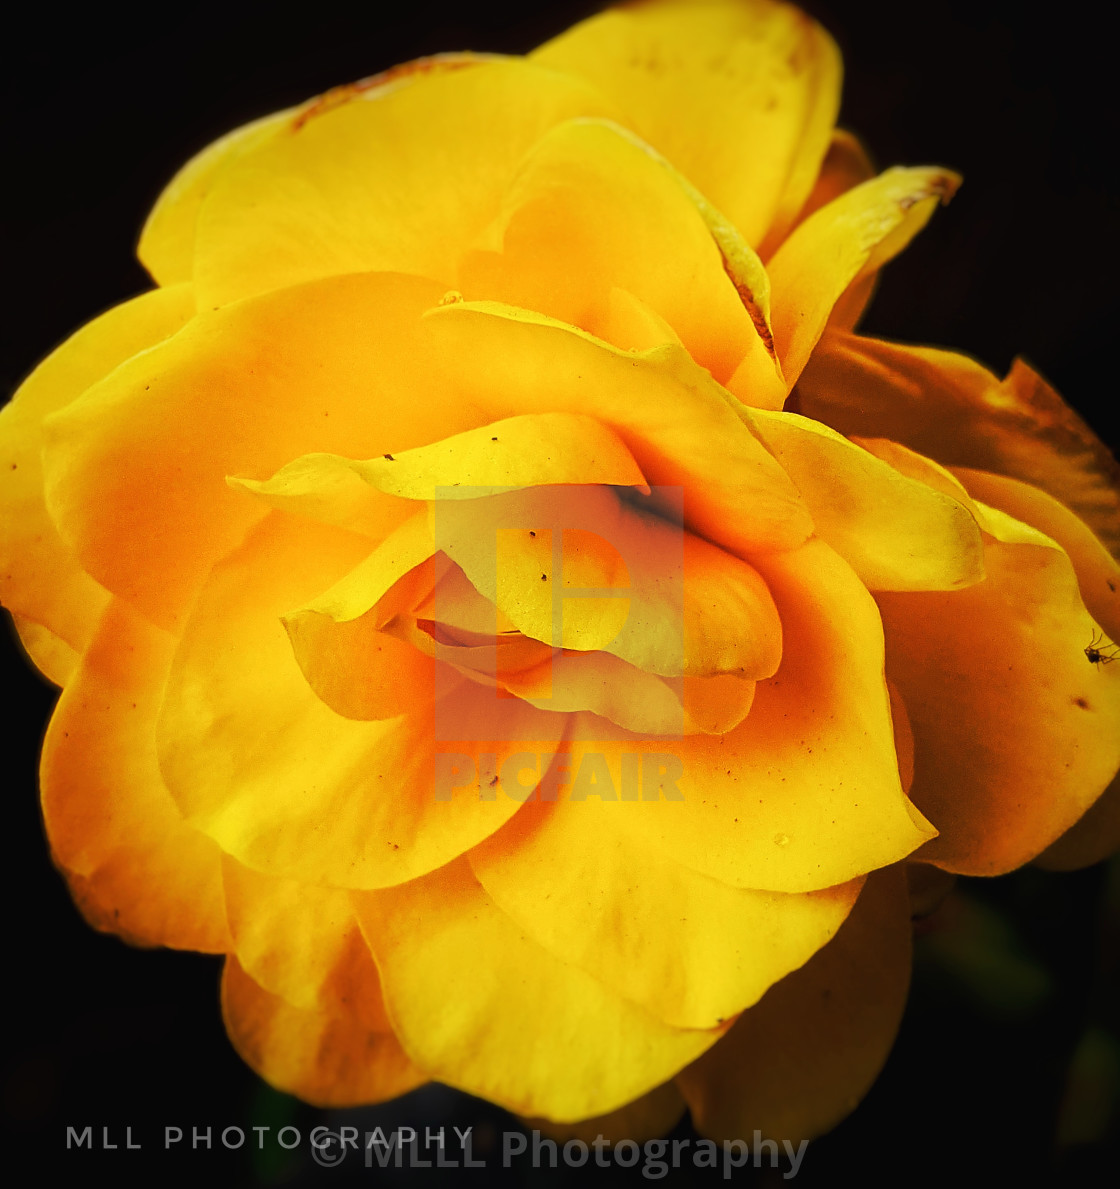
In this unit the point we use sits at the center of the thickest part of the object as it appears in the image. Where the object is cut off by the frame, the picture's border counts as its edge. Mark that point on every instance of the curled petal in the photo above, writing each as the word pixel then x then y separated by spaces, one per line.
pixel 850 238
pixel 948 407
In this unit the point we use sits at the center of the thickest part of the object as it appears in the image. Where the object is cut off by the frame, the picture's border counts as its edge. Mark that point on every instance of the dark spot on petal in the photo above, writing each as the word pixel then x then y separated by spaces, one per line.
pixel 389 457
pixel 1081 702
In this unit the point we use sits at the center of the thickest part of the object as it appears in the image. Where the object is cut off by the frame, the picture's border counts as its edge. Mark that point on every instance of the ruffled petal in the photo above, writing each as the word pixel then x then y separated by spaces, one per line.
pixel 672 416
pixel 394 178
pixel 325 1059
pixel 1015 732
pixel 840 244
pixel 950 408
pixel 805 793
pixel 799 1061
pixel 487 1010
pixel 740 97
pixel 40 579
pixel 135 469
pixel 283 783
pixel 690 950
pixel 134 866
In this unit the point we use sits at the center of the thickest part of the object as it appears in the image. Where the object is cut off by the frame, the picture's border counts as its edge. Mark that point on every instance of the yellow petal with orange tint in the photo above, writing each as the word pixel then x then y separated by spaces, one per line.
pixel 396 179
pixel 134 866
pixel 320 797
pixel 1094 837
pixel 301 942
pixel 142 457
pixel 740 97
pixel 669 412
pixel 895 531
pixel 487 1010
pixel 324 1059
pixel 653 1115
pixel 1015 731
pixel 799 1061
pixel 805 792
pixel 690 950
pixel 40 579
pixel 850 238
pixel 950 408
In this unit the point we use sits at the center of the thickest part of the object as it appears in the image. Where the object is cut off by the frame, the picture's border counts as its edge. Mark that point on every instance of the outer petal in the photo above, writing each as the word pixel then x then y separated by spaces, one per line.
pixel 284 784
pixel 487 1010
pixel 740 97
pixel 324 1059
pixel 396 178
pixel 799 1061
pixel 134 866
pixel 805 792
pixel 166 247
pixel 843 242
pixel 302 943
pixel 653 1115
pixel 1015 732
pixel 670 413
pixel 950 408
pixel 1094 837
pixel 690 950
pixel 40 579
pixel 142 457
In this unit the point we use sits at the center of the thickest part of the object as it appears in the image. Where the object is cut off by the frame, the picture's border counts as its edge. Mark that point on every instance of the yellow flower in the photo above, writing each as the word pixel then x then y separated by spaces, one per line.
pixel 294 532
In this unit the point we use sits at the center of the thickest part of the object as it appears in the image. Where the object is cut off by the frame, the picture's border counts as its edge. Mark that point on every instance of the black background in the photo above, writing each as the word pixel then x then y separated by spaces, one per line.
pixel 101 107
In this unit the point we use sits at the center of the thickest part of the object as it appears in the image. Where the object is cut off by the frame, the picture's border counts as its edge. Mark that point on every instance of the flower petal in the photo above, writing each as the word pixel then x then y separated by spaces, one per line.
pixel 166 247
pixel 679 605
pixel 588 192
pixel 799 1061
pixel 302 943
pixel 1093 837
pixel 399 178
pixel 134 866
pixel 40 579
pixel 950 408
pixel 672 416
pixel 326 1060
pixel 895 531
pixel 285 785
pixel 142 457
pixel 701 81
pixel 805 792
pixel 487 1010
pixel 1015 732
pixel 850 238
pixel 689 949
pixel 653 1115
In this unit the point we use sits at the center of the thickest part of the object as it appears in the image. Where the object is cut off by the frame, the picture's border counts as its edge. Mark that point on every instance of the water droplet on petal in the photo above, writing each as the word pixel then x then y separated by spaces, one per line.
pixel 781 840
pixel 451 297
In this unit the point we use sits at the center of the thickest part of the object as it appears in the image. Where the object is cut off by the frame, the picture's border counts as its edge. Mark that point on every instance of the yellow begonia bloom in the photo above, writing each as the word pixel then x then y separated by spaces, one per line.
pixel 463 629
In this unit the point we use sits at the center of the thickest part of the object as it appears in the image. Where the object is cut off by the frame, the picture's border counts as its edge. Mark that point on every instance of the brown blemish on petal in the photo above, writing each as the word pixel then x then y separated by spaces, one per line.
pixel 1081 702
